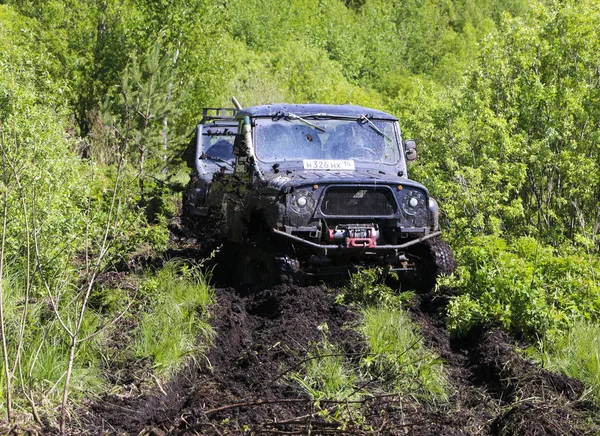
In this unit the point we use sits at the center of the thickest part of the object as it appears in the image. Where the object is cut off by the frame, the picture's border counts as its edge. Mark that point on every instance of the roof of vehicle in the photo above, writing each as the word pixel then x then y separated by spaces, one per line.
pixel 269 110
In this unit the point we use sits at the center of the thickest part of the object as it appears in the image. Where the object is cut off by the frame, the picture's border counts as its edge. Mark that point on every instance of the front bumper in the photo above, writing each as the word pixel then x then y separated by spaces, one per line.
pixel 327 248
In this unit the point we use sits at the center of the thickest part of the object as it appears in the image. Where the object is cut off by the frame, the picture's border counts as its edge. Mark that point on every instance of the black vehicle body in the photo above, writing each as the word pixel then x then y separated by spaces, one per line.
pixel 316 189
pixel 210 151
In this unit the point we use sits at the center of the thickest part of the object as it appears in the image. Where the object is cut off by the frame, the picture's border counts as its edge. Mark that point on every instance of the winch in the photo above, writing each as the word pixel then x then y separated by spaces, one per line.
pixel 354 235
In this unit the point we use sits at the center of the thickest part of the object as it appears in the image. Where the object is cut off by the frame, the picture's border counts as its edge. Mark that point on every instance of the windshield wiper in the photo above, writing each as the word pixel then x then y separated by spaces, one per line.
pixel 308 123
pixel 374 127
pixel 216 159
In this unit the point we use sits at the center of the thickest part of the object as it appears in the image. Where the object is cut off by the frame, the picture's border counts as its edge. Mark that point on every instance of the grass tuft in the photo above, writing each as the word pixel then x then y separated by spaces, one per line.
pixel 326 376
pixel 178 314
pixel 398 356
pixel 577 354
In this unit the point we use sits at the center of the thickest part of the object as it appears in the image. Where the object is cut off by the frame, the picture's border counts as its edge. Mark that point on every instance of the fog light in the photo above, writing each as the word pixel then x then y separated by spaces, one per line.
pixel 301 201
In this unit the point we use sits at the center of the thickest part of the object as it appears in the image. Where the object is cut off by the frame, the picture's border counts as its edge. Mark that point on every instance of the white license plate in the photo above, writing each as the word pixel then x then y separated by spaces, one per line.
pixel 328 164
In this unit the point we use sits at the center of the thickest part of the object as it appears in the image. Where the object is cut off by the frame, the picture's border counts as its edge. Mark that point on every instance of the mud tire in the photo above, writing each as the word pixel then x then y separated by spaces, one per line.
pixel 259 266
pixel 433 259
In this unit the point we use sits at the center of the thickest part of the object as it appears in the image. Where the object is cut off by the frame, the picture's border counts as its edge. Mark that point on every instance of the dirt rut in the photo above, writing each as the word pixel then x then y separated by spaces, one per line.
pixel 242 386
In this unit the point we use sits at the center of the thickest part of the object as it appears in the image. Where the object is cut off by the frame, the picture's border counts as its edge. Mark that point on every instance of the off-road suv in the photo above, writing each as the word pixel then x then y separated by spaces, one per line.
pixel 316 189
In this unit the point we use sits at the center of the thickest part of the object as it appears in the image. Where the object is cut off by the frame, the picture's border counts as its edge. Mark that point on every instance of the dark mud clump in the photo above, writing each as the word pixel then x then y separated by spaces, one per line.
pixel 494 379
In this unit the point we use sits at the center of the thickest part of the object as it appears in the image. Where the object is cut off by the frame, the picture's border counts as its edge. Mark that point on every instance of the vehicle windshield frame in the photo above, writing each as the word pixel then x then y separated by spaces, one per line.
pixel 363 140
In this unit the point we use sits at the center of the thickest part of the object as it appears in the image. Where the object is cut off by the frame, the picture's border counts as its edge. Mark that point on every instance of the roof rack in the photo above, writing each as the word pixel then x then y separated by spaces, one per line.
pixel 219 112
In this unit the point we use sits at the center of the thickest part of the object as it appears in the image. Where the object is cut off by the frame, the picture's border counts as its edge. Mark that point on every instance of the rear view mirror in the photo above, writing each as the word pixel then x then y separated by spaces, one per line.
pixel 410 148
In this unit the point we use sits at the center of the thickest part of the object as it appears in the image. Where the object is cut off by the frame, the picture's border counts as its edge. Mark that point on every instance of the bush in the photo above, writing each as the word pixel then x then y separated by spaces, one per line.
pixel 526 287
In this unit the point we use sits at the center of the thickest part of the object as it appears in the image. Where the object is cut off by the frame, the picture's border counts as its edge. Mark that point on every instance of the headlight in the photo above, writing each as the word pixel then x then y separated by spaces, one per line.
pixel 414 202
pixel 415 207
pixel 434 214
pixel 302 202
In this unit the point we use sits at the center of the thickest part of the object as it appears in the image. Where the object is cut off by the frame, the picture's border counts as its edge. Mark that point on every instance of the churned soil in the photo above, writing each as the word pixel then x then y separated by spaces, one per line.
pixel 243 384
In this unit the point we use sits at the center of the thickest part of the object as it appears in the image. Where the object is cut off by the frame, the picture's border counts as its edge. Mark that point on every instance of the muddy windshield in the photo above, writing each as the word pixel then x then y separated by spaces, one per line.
pixel 361 140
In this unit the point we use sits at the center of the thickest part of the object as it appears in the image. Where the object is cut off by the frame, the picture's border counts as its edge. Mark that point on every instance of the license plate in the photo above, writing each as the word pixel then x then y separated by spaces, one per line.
pixel 328 164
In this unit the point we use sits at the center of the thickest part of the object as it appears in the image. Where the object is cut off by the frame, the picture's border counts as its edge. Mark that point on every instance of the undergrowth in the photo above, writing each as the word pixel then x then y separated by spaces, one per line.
pixel 396 360
pixel 576 353
pixel 38 356
pixel 546 296
pixel 175 317
pixel 530 289
pixel 164 315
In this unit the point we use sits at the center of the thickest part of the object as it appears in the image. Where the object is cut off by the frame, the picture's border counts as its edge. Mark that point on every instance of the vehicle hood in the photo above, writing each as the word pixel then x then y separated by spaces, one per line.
pixel 287 180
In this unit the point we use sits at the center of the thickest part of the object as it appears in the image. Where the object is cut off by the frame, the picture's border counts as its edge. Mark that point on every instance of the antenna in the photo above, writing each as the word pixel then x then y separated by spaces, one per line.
pixel 236 103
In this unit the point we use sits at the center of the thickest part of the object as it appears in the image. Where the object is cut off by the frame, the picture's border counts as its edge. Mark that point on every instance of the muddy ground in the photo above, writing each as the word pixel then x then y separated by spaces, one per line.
pixel 242 385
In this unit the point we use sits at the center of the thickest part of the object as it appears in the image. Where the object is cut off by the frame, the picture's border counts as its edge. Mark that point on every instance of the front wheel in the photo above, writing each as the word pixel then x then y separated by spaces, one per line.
pixel 432 259
pixel 261 266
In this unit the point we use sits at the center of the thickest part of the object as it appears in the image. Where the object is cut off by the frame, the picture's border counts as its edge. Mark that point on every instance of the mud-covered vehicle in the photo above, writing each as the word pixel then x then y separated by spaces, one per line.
pixel 210 151
pixel 316 189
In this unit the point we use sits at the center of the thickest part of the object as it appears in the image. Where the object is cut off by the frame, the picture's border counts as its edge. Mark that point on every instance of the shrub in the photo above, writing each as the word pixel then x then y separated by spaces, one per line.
pixel 528 288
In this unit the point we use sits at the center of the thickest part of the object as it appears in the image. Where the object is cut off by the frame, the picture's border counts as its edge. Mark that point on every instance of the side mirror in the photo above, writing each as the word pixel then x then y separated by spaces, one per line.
pixel 410 148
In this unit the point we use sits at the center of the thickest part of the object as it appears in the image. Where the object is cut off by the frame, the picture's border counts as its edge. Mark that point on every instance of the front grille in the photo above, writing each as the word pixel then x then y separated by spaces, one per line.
pixel 357 201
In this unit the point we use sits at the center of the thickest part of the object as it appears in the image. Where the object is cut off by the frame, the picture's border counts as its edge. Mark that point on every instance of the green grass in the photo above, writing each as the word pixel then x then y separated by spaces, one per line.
pixel 577 354
pixel 165 323
pixel 398 356
pixel 177 316
pixel 44 352
pixel 327 376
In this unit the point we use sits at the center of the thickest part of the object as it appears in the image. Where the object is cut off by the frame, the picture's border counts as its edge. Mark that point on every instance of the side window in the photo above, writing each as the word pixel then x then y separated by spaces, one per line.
pixel 221 147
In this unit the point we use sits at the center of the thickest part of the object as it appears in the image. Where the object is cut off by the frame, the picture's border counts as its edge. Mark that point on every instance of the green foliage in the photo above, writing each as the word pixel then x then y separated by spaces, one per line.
pixel 176 316
pixel 398 356
pixel 40 174
pixel 43 345
pixel 395 357
pixel 528 288
pixel 577 354
pixel 327 376
pixel 368 287
pixel 512 151
pixel 331 380
pixel 503 96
